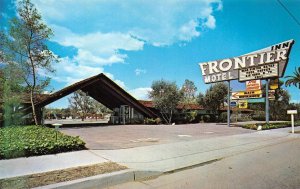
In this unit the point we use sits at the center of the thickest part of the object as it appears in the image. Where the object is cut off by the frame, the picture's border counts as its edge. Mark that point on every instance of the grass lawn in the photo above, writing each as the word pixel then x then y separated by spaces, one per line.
pixel 24 141
pixel 266 126
pixel 41 179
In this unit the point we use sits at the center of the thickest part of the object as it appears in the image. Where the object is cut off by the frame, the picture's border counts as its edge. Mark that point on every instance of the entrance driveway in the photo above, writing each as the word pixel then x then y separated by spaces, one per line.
pixel 128 136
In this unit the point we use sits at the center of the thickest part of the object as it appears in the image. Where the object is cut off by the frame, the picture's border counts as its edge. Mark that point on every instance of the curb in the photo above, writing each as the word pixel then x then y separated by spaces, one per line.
pixel 104 180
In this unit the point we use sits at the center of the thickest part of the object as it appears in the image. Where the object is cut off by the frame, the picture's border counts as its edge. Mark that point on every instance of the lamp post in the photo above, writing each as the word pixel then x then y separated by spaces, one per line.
pixel 56 125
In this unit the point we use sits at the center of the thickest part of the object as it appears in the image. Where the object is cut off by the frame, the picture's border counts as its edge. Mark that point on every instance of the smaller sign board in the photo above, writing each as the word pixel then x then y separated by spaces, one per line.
pixel 243 104
pixel 246 94
pixel 292 112
pixel 274 83
pixel 253 85
pixel 233 104
pixel 271 94
pixel 258 72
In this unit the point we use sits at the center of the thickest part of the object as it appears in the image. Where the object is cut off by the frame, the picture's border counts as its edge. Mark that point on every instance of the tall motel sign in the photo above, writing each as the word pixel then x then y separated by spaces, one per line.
pixel 265 64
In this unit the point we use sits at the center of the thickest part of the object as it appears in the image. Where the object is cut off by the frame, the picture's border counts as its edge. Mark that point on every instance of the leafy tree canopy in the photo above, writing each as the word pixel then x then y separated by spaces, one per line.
pixel 165 96
pixel 189 91
pixel 214 97
pixel 294 79
pixel 25 46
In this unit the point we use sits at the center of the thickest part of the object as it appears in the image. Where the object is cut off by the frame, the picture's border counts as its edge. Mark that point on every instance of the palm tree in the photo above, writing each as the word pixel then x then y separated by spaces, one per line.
pixel 295 79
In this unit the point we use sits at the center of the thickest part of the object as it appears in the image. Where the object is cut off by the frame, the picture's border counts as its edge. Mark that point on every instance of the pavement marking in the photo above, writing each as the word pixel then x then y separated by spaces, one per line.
pixel 145 140
pixel 184 135
pixel 209 132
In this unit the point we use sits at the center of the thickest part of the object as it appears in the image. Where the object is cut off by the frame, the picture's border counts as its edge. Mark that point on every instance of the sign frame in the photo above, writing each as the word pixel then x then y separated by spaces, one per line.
pixel 276 76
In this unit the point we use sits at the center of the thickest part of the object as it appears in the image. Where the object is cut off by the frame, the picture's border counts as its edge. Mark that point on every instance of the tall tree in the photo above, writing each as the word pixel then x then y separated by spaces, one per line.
pixel 200 99
pixel 189 90
pixel 294 79
pixel 279 105
pixel 80 103
pixel 99 108
pixel 26 44
pixel 165 96
pixel 215 96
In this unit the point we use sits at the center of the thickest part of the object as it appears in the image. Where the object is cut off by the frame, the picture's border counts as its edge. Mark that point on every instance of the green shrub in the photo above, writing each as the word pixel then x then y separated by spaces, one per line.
pixel 266 126
pixel 223 117
pixel 24 141
pixel 259 116
pixel 190 116
pixel 158 121
pixel 206 118
pixel 150 121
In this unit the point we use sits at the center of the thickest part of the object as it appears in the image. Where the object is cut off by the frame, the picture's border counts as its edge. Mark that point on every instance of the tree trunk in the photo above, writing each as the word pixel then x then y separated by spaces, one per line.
pixel 33 107
pixel 164 118
pixel 170 118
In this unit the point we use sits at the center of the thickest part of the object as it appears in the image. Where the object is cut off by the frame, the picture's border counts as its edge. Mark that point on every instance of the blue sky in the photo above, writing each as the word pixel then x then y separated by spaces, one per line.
pixel 136 42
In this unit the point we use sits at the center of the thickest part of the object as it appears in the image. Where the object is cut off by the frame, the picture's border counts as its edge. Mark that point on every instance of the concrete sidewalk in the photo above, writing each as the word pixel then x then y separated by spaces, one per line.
pixel 175 156
pixel 156 159
pixel 38 164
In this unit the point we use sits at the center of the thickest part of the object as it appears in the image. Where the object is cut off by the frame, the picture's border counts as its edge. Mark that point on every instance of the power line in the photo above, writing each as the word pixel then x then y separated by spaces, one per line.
pixel 289 12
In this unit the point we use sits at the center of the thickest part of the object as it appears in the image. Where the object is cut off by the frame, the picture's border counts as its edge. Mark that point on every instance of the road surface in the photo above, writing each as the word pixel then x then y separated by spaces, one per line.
pixel 274 167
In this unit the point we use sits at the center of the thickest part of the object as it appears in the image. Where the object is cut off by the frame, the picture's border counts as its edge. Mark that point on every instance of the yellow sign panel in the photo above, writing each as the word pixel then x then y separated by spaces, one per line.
pixel 243 104
pixel 246 94
pixel 274 84
pixel 249 92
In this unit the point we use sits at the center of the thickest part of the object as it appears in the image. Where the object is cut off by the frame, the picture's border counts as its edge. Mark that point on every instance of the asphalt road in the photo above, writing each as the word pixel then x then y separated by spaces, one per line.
pixel 128 136
pixel 274 167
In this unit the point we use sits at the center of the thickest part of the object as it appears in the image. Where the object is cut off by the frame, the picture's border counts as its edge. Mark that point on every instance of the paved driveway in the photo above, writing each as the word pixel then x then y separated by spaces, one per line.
pixel 128 136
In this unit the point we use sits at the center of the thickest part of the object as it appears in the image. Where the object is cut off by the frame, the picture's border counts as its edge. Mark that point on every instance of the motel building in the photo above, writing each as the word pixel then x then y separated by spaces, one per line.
pixel 126 109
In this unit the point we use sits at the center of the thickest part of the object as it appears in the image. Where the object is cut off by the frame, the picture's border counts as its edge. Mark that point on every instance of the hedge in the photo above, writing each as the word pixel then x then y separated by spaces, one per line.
pixel 266 126
pixel 25 141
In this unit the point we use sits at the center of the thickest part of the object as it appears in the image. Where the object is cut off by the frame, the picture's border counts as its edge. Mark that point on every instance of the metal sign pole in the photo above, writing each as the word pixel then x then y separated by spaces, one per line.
pixel 228 105
pixel 267 100
pixel 292 120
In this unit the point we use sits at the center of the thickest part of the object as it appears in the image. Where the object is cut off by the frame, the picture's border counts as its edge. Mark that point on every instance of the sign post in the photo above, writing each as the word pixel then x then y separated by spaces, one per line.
pixel 228 105
pixel 267 101
pixel 292 112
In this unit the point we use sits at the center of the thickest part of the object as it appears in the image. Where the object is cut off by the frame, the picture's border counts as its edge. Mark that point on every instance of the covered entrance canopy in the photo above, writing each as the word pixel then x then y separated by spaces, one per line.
pixel 102 89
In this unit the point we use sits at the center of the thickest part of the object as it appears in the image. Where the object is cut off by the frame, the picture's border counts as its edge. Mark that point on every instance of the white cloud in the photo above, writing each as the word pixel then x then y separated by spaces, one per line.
pixel 188 31
pixel 102 31
pixel 67 71
pixel 120 83
pixel 155 22
pixel 97 49
pixel 139 71
pixel 140 93
pixel 210 22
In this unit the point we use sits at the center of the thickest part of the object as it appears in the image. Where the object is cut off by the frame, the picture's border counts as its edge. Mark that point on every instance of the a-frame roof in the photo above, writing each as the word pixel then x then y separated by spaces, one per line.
pixel 104 90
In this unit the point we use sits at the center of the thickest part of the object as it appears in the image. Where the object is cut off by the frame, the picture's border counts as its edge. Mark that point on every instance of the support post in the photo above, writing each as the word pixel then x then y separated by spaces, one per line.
pixel 228 105
pixel 267 101
pixel 292 120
